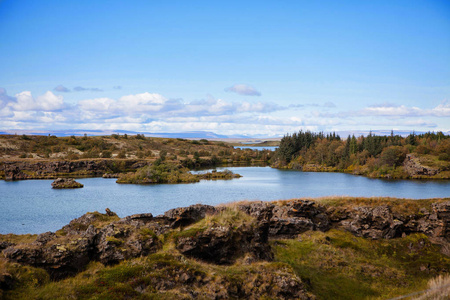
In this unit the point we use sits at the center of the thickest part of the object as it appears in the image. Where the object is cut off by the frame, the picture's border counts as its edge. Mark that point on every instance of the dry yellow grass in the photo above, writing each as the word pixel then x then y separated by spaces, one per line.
pixel 438 289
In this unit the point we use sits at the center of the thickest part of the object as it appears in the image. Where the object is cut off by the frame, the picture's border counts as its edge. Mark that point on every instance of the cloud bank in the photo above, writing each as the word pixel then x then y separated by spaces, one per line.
pixel 62 89
pixel 152 112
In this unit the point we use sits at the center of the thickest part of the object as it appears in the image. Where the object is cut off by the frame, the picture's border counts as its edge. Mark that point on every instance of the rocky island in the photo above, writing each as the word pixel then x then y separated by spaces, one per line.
pixel 66 183
pixel 171 173
pixel 297 249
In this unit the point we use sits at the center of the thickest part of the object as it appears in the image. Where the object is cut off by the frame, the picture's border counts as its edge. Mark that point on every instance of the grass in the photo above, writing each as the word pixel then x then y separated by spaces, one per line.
pixel 25 277
pixel 164 275
pixel 230 217
pixel 17 238
pixel 337 265
pixel 332 265
pixel 438 289
pixel 397 205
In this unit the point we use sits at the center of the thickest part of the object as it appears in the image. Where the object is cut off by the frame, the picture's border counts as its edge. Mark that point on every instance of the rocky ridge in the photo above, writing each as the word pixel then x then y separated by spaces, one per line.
pixel 413 167
pixel 108 239
pixel 19 170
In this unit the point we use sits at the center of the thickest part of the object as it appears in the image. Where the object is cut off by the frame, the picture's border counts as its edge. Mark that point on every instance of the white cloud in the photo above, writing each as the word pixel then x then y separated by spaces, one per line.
pixel 4 98
pixel 97 105
pixel 392 111
pixel 442 110
pixel 145 102
pixel 149 105
pixel 47 102
pixel 243 89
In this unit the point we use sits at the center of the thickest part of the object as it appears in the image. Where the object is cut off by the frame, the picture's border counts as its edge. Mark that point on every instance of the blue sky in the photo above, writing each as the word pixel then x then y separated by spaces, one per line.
pixel 231 67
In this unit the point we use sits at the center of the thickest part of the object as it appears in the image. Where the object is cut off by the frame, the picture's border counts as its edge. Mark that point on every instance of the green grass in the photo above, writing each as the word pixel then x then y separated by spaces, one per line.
pixel 398 206
pixel 162 276
pixel 228 217
pixel 17 238
pixel 338 265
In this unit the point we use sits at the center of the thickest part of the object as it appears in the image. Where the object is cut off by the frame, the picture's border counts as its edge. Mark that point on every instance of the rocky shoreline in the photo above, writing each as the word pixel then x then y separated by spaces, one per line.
pixel 21 170
pixel 109 239
pixel 114 168
pixel 241 236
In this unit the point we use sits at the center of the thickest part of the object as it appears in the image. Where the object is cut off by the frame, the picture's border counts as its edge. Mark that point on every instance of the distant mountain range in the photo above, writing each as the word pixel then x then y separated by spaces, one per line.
pixel 186 135
pixel 193 134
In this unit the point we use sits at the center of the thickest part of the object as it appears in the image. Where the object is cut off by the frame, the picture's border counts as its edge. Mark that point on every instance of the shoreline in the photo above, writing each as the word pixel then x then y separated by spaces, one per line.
pixel 86 168
pixel 273 239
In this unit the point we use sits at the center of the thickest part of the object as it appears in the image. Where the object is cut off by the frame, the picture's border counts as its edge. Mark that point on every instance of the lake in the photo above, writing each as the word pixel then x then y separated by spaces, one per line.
pixel 271 148
pixel 32 206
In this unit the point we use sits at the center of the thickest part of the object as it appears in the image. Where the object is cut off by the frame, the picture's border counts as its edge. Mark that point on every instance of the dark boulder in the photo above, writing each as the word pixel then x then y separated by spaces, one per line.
pixel 79 225
pixel 58 258
pixel 223 244
pixel 298 216
pixel 119 241
pixel 373 222
pixel 184 216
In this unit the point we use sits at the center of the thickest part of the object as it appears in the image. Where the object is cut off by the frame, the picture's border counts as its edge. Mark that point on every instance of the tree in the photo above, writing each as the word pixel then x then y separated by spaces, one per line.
pixel 393 156
pixel 162 155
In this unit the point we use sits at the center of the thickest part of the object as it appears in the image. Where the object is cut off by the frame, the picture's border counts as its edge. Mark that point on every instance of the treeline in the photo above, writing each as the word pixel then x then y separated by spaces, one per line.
pixel 371 154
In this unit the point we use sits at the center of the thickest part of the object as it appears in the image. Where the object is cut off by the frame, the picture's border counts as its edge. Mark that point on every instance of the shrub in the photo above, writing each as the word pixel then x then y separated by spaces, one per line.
pixel 122 154
pixel 106 154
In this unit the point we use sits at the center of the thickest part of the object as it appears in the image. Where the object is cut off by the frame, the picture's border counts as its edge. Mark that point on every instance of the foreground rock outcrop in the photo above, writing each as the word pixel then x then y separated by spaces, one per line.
pixel 217 235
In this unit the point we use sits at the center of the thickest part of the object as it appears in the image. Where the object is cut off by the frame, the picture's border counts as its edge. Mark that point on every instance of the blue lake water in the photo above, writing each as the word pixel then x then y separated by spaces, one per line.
pixel 32 206
pixel 271 148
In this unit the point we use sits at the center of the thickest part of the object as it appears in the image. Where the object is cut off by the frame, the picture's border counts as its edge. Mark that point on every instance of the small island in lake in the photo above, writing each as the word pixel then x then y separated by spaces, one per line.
pixel 66 183
pixel 171 173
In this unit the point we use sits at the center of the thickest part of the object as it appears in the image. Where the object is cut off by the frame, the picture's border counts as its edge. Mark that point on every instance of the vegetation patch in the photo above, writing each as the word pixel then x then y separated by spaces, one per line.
pixel 228 217
pixel 393 157
pixel 338 265
pixel 17 238
pixel 398 206
pixel 171 173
